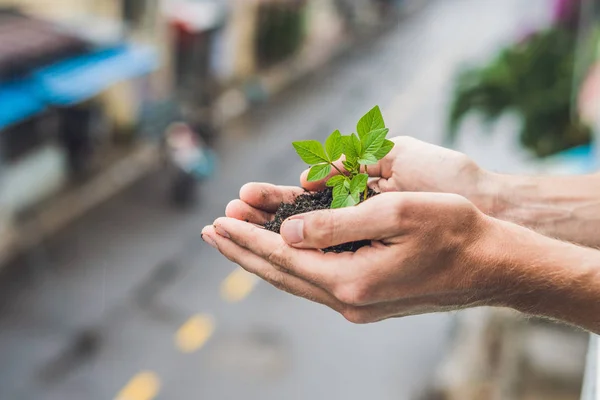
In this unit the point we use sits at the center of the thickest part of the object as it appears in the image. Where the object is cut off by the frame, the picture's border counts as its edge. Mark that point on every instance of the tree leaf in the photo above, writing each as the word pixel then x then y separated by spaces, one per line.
pixel 359 184
pixel 368 159
pixel 334 145
pixel 373 141
pixel 336 180
pixel 370 121
pixel 347 185
pixel 386 147
pixel 318 172
pixel 311 152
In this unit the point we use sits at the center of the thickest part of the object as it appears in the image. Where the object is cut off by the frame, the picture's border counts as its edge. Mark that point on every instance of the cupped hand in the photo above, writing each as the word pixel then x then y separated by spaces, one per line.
pixel 416 166
pixel 411 166
pixel 422 257
pixel 258 202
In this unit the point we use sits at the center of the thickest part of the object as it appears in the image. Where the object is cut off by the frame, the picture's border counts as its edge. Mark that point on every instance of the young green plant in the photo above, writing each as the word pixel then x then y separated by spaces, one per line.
pixel 359 151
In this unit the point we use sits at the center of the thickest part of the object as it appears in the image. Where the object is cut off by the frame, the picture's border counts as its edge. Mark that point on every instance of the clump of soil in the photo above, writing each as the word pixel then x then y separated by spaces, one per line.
pixel 312 202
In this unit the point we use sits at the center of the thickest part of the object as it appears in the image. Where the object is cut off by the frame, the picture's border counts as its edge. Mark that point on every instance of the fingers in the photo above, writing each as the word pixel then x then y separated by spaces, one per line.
pixel 262 268
pixel 289 283
pixel 258 202
pixel 375 219
pixel 267 197
pixel 382 185
pixel 244 212
pixel 313 266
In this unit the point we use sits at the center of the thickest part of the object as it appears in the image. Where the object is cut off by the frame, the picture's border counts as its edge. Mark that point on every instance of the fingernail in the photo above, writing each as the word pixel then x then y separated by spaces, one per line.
pixel 292 231
pixel 209 240
pixel 222 232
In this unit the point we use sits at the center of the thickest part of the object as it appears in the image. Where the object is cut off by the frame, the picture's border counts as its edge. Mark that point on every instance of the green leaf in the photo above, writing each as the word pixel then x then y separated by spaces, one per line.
pixel 368 159
pixel 311 152
pixel 342 196
pixel 345 200
pixel 359 183
pixel 373 141
pixel 347 184
pixel 318 172
pixel 386 147
pixel 369 122
pixel 336 180
pixel 334 145
pixel 357 144
pixel 350 165
pixel 350 149
pixel 340 190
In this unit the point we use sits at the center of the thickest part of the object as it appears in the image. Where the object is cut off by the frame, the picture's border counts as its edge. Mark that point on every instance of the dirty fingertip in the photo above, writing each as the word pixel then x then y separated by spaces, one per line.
pixel 253 191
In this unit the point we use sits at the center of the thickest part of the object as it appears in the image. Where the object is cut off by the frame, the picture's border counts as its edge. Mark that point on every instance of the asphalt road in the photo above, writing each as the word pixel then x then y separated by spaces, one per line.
pixel 129 300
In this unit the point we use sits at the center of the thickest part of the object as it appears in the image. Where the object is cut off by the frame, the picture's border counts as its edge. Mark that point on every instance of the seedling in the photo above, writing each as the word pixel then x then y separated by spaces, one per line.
pixel 358 151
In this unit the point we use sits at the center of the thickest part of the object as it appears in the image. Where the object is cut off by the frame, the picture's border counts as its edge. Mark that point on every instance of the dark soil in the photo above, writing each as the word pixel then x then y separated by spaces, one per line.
pixel 312 202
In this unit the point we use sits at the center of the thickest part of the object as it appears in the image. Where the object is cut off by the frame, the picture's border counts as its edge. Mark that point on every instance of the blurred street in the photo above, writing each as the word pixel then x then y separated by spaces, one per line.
pixel 115 294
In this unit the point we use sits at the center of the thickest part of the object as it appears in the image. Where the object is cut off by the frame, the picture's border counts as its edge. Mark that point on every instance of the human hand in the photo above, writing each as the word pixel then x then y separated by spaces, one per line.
pixel 416 166
pixel 424 255
pixel 258 202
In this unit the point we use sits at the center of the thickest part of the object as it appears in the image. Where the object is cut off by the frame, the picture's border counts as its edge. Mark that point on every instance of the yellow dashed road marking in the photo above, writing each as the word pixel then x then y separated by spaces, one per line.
pixel 238 285
pixel 194 333
pixel 143 386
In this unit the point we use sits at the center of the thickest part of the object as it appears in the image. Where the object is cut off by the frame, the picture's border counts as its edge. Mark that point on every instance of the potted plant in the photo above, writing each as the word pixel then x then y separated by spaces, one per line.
pixel 539 78
pixel 534 78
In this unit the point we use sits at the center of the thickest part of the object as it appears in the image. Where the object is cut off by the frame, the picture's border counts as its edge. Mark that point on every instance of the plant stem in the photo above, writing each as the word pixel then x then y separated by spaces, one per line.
pixel 338 170
pixel 367 186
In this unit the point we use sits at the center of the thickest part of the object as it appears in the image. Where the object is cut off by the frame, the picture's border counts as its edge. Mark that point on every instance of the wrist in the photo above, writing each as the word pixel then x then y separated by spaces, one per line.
pixel 488 265
pixel 489 191
pixel 538 275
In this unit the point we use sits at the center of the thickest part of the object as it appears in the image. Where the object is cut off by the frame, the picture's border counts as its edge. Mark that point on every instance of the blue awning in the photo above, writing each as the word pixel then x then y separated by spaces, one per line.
pixel 18 101
pixel 80 78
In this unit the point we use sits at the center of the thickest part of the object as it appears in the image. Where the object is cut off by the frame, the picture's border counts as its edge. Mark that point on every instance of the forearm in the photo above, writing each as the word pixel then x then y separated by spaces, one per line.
pixel 567 208
pixel 541 276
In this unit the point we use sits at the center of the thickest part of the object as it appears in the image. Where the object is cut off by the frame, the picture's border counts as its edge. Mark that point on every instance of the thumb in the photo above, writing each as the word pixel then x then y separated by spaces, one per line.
pixel 375 219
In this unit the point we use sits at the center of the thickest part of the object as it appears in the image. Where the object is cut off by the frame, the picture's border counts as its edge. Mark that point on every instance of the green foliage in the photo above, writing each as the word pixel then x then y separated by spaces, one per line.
pixel 359 151
pixel 372 121
pixel 318 172
pixel 281 31
pixel 534 79
pixel 334 146
pixel 311 152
